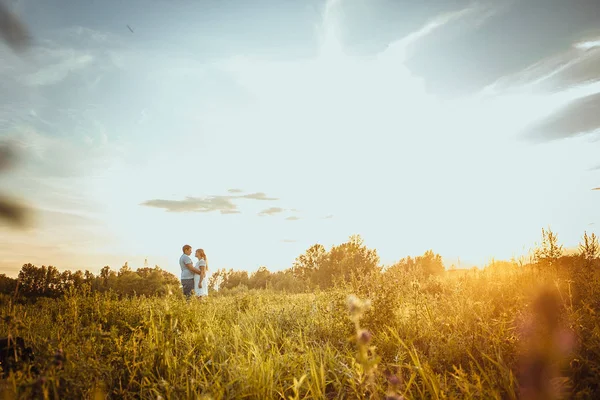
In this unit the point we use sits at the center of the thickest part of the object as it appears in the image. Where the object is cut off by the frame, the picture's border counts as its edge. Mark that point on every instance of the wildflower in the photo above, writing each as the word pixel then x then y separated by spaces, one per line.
pixel 364 336
pixel 354 303
pixel 394 380
pixel 394 397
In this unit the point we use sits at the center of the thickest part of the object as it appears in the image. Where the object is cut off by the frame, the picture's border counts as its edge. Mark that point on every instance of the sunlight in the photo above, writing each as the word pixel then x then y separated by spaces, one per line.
pixel 380 92
pixel 368 122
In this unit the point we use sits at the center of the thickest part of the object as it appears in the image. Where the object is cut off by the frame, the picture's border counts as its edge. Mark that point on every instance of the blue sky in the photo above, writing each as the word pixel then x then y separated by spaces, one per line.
pixel 255 130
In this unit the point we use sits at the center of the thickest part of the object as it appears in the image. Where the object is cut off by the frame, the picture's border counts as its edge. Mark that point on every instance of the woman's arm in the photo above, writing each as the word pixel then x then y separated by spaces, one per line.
pixel 202 269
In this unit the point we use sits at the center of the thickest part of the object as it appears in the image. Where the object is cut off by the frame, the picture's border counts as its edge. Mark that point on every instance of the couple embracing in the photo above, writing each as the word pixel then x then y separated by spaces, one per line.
pixel 193 278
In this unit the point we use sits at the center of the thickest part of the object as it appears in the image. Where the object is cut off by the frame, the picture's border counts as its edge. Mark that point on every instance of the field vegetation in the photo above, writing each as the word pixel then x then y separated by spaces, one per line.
pixel 336 325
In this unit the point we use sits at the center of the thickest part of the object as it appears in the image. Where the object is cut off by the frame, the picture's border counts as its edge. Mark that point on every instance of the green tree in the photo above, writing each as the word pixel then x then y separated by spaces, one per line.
pixel 260 278
pixel 430 263
pixel 39 282
pixel 232 279
pixel 216 279
pixel 425 265
pixel 286 281
pixel 124 269
pixel 346 261
pixel 306 265
pixel 7 284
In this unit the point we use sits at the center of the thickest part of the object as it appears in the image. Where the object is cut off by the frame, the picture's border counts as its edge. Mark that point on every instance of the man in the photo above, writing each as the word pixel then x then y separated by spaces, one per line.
pixel 187 271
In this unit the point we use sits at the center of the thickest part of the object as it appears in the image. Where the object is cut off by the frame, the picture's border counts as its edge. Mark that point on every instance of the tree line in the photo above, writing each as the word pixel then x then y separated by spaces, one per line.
pixel 316 268
pixel 47 281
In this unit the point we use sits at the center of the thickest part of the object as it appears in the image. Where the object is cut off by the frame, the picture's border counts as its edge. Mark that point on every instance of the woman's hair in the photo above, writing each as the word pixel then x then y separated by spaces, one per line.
pixel 203 256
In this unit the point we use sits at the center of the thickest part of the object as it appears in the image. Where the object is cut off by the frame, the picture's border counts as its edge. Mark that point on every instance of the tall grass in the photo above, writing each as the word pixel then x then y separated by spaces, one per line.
pixel 451 337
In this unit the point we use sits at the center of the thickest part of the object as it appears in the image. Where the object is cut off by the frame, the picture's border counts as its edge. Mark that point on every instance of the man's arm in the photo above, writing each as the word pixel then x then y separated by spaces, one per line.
pixel 191 267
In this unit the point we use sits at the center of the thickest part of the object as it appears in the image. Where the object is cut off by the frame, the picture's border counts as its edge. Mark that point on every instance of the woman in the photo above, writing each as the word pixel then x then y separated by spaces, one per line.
pixel 200 281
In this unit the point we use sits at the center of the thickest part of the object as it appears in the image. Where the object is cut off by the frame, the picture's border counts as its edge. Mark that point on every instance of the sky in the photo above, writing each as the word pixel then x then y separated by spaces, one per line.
pixel 257 129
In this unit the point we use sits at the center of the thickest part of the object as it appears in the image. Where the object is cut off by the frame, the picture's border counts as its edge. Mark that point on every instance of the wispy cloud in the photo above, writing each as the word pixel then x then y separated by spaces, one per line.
pixel 257 196
pixel 289 241
pixel 596 188
pixel 61 54
pixel 271 211
pixel 222 204
pixel 61 63
pixel 292 218
pixel 575 66
pixel 56 157
pixel 579 117
pixel 235 191
pixel 472 16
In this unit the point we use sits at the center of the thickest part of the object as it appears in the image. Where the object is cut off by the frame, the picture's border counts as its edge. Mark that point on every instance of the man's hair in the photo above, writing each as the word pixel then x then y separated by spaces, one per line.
pixel 186 247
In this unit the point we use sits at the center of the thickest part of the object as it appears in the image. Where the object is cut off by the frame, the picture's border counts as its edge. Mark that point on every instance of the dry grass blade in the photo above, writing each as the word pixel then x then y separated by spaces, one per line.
pixel 13 31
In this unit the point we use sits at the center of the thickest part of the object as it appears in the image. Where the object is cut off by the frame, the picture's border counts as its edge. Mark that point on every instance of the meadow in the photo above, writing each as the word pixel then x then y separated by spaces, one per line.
pixel 476 334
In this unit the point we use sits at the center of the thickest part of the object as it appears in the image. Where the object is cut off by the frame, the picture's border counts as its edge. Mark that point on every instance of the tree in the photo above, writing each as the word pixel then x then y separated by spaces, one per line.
pixel 347 260
pixel 216 279
pixel 306 265
pixel 232 279
pixel 39 282
pixel 7 284
pixel 428 264
pixel 124 269
pixel 260 278
pixel 287 282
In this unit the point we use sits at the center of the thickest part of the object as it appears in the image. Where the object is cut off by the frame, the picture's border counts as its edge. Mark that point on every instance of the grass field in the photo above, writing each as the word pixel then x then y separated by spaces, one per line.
pixel 466 336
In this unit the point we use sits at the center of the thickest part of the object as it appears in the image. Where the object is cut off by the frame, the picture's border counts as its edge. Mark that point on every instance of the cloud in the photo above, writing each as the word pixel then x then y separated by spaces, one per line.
pixel 289 241
pixel 61 63
pixel 222 204
pixel 558 71
pixel 235 191
pixel 292 218
pixel 56 126
pixel 462 64
pixel 577 118
pixel 474 14
pixel 330 216
pixel 61 54
pixel 62 157
pixel 596 188
pixel 271 211
pixel 257 196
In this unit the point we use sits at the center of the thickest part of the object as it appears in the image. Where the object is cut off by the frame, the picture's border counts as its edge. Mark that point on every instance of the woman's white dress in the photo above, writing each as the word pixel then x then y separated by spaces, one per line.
pixel 204 290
